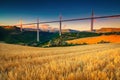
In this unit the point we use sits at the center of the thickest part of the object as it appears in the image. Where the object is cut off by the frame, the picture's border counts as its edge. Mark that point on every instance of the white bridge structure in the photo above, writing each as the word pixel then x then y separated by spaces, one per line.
pixel 67 20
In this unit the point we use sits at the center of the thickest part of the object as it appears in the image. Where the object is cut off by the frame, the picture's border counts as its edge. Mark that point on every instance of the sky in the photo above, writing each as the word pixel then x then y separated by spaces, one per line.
pixel 11 11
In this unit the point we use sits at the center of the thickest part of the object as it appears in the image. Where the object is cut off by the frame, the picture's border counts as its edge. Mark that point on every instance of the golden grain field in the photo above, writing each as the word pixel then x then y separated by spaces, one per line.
pixel 95 40
pixel 86 62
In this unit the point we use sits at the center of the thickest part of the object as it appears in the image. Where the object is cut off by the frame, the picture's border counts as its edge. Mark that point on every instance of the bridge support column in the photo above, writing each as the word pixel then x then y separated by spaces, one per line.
pixel 60 29
pixel 38 30
pixel 21 25
pixel 92 21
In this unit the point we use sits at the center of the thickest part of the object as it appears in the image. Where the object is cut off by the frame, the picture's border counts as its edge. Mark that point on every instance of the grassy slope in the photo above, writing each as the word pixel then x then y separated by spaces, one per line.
pixel 88 62
pixel 93 40
pixel 76 35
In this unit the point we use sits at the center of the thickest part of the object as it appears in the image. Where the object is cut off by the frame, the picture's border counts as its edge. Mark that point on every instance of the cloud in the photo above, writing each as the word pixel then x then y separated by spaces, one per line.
pixel 46 27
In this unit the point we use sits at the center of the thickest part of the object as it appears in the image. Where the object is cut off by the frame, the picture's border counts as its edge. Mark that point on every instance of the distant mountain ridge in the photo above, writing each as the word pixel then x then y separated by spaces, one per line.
pixel 69 30
pixel 51 30
pixel 48 29
pixel 43 30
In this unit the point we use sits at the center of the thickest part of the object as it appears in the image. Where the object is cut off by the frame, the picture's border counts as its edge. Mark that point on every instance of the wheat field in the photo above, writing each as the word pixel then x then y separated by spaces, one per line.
pixel 85 62
pixel 95 40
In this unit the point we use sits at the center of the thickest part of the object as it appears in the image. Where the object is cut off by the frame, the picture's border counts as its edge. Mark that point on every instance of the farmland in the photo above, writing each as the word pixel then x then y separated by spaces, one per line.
pixel 86 62
pixel 98 39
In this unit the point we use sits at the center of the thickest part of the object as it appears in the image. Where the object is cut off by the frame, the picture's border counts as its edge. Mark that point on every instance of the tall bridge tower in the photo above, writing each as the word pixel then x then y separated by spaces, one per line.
pixel 92 21
pixel 60 29
pixel 21 25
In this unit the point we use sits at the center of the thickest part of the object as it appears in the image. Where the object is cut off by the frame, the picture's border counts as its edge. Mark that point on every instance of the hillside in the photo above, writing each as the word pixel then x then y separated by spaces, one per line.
pixel 88 62
pixel 98 39
pixel 13 35
pixel 103 30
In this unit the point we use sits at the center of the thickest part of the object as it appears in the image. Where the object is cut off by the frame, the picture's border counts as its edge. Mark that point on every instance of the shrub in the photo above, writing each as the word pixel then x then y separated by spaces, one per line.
pixel 102 41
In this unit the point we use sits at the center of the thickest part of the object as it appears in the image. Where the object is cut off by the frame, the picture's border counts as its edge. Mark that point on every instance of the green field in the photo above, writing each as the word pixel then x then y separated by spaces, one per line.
pixel 86 62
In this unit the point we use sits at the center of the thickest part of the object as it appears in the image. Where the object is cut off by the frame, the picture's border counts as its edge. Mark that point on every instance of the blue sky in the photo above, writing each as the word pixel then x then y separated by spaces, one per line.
pixel 12 10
